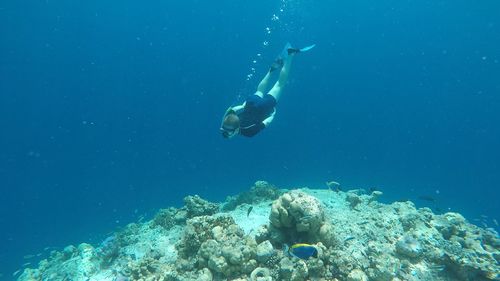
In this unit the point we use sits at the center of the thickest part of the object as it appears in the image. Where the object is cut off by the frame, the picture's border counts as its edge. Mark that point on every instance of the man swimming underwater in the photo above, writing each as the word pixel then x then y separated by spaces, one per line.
pixel 258 111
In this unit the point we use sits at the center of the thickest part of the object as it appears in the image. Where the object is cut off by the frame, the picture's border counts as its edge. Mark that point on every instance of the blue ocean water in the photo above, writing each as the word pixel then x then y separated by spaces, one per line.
pixel 111 109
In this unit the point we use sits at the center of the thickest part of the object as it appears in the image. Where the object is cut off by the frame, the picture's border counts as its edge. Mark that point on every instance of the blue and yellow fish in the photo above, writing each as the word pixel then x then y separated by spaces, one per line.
pixel 302 251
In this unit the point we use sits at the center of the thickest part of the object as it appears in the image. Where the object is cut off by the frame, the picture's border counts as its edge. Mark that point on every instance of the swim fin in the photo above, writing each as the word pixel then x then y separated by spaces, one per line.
pixel 287 50
pixel 277 64
pixel 305 49
pixel 291 50
pixel 279 61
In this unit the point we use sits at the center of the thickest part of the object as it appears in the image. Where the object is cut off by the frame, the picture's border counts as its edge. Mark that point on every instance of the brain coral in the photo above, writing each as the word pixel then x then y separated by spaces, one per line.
pixel 299 215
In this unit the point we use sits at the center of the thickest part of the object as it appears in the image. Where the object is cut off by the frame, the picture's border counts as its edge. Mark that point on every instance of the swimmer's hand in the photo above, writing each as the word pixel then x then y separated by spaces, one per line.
pixel 230 110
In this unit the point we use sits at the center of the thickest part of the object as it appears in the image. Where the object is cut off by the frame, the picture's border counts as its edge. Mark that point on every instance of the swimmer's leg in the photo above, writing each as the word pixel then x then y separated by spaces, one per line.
pixel 280 84
pixel 263 84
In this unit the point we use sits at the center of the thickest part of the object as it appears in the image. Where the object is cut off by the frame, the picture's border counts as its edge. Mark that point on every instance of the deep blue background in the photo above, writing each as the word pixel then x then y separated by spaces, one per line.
pixel 110 110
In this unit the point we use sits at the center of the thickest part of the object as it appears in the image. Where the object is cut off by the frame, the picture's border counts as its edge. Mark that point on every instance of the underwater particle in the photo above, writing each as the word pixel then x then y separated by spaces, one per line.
pixel 265 43
pixel 275 18
pixel 254 61
pixel 268 30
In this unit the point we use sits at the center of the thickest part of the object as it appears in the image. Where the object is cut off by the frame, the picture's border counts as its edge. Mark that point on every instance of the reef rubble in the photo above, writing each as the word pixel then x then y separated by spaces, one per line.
pixel 243 239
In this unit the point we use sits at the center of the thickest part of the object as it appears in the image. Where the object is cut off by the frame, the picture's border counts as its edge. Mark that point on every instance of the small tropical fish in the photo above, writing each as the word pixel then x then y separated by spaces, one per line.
pixel 26 264
pixel 495 221
pixel 333 185
pixel 249 210
pixel 348 238
pixel 302 251
pixel 427 198
pixel 16 272
pixel 28 257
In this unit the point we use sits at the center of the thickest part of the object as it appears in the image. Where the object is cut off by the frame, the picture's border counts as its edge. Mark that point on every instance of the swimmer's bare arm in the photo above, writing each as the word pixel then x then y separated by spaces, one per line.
pixel 238 108
pixel 269 119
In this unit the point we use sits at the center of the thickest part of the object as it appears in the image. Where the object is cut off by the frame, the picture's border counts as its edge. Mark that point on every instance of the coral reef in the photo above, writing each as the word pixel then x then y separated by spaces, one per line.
pixel 260 191
pixel 260 274
pixel 167 218
pixel 357 239
pixel 299 217
pixel 73 263
pixel 218 244
pixel 265 251
pixel 194 206
pixel 409 247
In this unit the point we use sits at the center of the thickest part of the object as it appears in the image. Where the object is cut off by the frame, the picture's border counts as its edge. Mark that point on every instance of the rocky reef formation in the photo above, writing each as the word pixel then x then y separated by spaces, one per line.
pixel 357 238
pixel 260 191
pixel 194 206
pixel 296 216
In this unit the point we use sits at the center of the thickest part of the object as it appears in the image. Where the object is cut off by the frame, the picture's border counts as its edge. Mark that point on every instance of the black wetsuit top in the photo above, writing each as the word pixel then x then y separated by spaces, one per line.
pixel 256 110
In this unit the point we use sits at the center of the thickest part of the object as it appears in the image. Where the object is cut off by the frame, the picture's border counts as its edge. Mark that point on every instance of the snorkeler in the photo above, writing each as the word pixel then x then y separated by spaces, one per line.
pixel 258 111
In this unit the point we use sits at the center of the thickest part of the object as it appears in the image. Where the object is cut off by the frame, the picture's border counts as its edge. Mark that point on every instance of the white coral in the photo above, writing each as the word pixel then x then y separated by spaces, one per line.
pixel 297 210
pixel 409 247
pixel 261 274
